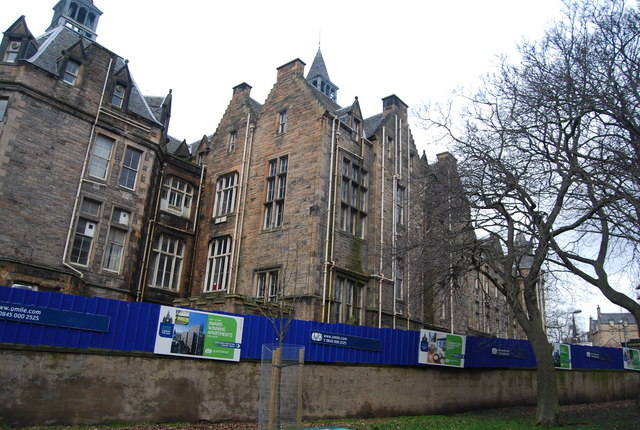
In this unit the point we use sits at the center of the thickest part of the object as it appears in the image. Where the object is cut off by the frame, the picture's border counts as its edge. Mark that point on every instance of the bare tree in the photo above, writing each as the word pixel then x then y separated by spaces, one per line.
pixel 549 152
pixel 277 302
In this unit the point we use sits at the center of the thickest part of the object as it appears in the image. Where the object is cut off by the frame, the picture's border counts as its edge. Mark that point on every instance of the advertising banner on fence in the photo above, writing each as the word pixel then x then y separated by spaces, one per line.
pixel 562 356
pixel 190 333
pixel 631 358
pixel 441 349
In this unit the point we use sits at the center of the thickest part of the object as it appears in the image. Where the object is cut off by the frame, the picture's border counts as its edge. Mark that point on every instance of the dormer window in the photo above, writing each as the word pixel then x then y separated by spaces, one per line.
pixel 71 72
pixel 119 92
pixel 356 125
pixel 12 51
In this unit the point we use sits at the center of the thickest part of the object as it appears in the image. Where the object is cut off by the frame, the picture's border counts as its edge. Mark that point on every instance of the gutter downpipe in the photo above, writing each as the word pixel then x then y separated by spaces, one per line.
pixel 150 234
pixel 394 230
pixel 241 203
pixel 384 155
pixel 450 252
pixel 328 235
pixel 84 169
pixel 408 263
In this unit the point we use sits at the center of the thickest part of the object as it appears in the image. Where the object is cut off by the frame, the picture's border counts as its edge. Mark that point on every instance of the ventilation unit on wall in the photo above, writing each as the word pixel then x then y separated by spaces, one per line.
pixel 89 229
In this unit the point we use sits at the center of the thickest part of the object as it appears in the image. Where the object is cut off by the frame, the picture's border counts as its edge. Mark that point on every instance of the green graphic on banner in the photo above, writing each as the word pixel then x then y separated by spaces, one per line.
pixel 562 356
pixel 631 358
pixel 191 333
pixel 453 354
pixel 442 349
pixel 220 338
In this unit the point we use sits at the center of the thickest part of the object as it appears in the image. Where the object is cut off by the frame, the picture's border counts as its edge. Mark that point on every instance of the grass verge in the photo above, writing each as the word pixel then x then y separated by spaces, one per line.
pixel 620 415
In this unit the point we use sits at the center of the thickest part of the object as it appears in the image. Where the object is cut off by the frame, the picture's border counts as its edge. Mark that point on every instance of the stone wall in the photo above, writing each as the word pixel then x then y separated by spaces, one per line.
pixel 56 387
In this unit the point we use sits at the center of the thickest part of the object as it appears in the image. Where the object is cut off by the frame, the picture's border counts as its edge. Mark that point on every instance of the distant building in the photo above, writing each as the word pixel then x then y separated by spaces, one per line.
pixel 612 329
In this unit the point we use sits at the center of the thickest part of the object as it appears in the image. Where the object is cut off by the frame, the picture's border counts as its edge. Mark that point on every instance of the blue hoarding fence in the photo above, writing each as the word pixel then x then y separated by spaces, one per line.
pixel 81 322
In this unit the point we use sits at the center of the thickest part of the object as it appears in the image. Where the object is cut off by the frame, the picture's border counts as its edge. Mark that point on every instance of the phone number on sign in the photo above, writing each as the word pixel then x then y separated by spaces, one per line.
pixel 20 313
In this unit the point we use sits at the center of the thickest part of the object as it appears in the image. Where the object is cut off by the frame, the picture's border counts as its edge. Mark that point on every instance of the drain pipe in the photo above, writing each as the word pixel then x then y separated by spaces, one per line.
pixel 408 221
pixel 235 252
pixel 394 227
pixel 329 235
pixel 381 270
pixel 82 172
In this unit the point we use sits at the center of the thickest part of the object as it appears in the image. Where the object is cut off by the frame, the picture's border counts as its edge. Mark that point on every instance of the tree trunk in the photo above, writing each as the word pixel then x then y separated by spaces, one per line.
pixel 548 399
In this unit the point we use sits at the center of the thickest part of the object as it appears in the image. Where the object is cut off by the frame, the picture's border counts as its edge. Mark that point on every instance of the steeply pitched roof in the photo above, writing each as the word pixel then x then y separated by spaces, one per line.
pixel 372 124
pixel 173 144
pixel 155 104
pixel 256 106
pixel 318 68
pixel 51 47
pixel 617 317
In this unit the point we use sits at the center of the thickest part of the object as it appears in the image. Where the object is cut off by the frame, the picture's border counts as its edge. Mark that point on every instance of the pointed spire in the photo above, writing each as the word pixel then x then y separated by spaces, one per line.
pixel 319 77
pixel 318 68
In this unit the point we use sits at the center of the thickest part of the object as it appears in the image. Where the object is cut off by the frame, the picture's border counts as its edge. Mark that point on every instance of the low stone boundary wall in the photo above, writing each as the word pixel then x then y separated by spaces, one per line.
pixel 61 387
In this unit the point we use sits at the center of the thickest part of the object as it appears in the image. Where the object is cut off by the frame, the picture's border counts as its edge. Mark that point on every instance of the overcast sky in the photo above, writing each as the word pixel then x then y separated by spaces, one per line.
pixel 418 50
pixel 201 49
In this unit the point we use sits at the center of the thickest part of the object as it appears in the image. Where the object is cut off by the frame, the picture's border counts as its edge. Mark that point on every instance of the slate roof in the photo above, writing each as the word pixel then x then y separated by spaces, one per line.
pixel 155 104
pixel 53 42
pixel 318 68
pixel 616 317
pixel 372 124
pixel 256 106
pixel 173 144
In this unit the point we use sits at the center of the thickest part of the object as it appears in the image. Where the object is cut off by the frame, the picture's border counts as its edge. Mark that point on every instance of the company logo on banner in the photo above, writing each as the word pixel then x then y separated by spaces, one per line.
pixel 562 356
pixel 441 349
pixel 190 333
pixel 631 358
pixel 344 340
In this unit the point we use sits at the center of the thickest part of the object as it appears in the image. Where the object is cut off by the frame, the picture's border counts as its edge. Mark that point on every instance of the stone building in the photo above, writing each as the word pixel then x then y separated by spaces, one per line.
pixel 82 155
pixel 307 202
pixel 297 201
pixel 612 329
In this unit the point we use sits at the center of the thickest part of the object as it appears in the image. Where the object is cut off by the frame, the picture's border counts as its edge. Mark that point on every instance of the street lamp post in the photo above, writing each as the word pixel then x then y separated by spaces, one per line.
pixel 575 331
pixel 624 323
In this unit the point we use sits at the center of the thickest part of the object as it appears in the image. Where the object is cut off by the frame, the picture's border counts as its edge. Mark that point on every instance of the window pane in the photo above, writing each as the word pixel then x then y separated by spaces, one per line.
pixel 115 246
pixel 218 264
pixel 117 98
pixel 90 207
pixel 130 168
pixel 85 231
pixel 166 263
pixel 71 72
pixel 3 108
pixel 176 196
pixel 100 157
pixel 226 194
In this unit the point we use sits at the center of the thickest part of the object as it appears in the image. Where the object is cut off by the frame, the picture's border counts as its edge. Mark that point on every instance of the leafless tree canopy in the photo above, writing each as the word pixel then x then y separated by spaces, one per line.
pixel 549 151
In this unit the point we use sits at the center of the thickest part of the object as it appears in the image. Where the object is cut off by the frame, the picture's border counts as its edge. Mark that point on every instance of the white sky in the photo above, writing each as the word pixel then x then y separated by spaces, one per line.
pixel 419 50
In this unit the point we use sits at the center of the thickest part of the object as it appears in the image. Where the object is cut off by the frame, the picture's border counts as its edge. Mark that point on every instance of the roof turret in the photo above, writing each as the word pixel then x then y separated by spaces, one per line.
pixel 319 78
pixel 79 15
